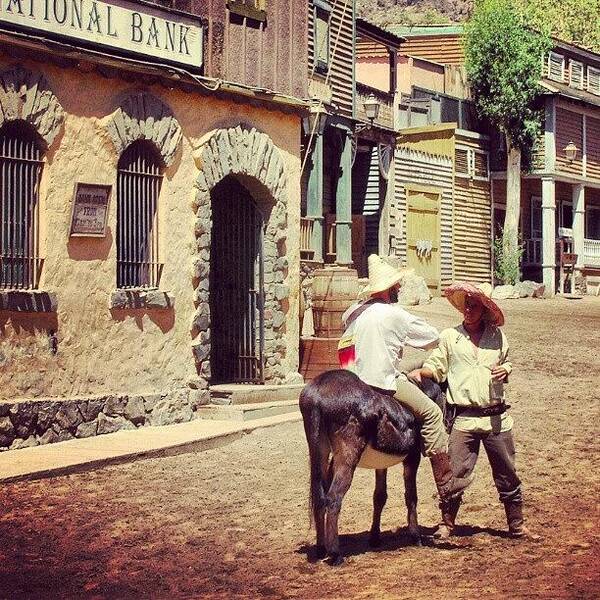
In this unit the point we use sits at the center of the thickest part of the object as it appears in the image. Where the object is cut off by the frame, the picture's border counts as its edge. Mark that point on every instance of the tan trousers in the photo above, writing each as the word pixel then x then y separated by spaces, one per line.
pixel 427 412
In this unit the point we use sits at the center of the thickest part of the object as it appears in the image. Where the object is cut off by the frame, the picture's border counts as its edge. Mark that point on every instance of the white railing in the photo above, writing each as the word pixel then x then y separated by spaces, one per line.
pixel 591 253
pixel 532 253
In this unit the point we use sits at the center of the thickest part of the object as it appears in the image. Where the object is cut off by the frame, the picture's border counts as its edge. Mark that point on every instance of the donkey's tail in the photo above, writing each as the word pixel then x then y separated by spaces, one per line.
pixel 311 415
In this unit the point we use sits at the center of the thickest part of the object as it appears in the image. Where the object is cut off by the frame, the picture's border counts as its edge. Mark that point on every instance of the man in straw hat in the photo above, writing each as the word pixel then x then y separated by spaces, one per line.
pixel 377 331
pixel 472 358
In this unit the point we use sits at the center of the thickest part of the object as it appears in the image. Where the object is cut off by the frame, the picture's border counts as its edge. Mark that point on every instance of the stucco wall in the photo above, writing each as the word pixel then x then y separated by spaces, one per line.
pixel 374 71
pixel 126 351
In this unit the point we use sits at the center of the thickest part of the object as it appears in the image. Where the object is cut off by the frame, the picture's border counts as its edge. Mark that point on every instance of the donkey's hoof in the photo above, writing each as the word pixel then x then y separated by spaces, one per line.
pixel 320 552
pixel 374 540
pixel 336 560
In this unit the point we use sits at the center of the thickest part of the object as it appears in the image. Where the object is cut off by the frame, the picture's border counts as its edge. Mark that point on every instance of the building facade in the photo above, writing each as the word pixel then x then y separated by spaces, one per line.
pixel 150 210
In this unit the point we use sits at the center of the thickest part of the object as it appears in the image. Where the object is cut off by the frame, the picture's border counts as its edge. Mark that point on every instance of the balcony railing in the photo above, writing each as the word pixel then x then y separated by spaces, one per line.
pixel 591 253
pixel 386 105
pixel 306 233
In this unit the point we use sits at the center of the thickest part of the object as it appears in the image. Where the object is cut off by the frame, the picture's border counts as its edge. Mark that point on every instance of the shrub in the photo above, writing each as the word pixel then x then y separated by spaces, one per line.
pixel 507 263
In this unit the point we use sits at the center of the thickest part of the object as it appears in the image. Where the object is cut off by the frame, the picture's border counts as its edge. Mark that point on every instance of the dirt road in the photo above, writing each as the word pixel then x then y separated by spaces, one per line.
pixel 233 522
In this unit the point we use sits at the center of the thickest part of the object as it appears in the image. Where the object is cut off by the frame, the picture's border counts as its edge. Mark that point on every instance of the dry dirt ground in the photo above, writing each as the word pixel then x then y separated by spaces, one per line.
pixel 232 522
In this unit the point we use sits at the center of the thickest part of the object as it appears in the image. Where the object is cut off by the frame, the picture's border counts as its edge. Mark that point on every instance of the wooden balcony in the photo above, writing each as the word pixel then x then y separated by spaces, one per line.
pixel 386 105
pixel 306 233
pixel 591 253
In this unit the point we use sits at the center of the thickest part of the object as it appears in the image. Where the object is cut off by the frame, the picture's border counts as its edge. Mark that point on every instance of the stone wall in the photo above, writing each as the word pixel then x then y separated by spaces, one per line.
pixel 36 422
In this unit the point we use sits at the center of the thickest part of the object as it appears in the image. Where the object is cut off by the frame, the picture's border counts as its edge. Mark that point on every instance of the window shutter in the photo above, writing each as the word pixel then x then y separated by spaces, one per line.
pixel 462 162
pixel 593 84
pixel 576 69
pixel 481 165
pixel 556 66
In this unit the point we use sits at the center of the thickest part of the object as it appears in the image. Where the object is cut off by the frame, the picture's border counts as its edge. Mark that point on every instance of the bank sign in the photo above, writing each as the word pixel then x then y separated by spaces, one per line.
pixel 116 25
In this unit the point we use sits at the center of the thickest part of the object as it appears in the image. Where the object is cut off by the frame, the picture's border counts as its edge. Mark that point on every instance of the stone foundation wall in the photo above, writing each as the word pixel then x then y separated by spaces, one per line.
pixel 30 423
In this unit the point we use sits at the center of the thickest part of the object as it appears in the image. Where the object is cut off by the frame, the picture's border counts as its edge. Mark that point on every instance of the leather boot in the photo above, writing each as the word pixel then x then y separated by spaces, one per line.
pixel 449 511
pixel 514 518
pixel 448 486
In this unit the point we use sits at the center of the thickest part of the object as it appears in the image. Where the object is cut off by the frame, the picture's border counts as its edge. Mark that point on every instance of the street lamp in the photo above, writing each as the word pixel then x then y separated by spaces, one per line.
pixel 315 121
pixel 371 106
pixel 571 151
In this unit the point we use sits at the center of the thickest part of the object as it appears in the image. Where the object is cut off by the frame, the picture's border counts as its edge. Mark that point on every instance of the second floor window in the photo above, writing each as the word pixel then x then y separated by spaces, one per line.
pixel 20 170
pixel 322 17
pixel 139 180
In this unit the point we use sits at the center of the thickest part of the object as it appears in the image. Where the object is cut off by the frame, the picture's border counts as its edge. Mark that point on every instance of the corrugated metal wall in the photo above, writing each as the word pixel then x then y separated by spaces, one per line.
pixel 569 128
pixel 472 216
pixel 443 49
pixel 272 54
pixel 430 170
pixel 368 195
pixel 341 76
pixel 592 139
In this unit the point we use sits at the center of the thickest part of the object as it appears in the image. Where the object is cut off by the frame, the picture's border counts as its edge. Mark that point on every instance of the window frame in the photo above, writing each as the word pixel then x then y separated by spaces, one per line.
pixel 321 66
pixel 581 66
pixel 588 213
pixel 552 55
pixel 251 9
pixel 596 72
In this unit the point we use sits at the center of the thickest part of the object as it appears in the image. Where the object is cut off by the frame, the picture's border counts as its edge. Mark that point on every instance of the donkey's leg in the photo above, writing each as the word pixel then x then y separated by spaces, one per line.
pixel 343 472
pixel 379 500
pixel 319 511
pixel 347 447
pixel 411 465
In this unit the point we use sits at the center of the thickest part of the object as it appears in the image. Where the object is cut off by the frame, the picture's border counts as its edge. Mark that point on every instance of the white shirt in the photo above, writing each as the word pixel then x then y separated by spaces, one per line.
pixel 380 334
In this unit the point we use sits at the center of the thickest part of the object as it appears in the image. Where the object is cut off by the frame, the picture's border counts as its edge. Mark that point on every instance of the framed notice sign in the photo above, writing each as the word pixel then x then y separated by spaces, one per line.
pixel 90 209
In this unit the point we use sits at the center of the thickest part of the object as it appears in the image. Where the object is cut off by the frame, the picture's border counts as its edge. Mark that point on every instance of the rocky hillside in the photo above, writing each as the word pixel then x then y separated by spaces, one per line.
pixel 385 12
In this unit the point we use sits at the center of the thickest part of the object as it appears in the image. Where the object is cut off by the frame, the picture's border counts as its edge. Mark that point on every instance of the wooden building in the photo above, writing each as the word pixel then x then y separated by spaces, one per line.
pixel 149 209
pixel 441 215
pixel 560 198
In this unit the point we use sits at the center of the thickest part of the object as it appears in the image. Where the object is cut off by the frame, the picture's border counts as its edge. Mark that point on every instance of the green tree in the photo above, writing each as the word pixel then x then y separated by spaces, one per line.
pixel 503 60
pixel 576 21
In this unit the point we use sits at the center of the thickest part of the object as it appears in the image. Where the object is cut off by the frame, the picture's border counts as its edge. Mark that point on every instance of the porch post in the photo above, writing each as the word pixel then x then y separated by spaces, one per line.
pixel 343 204
pixel 549 236
pixel 578 222
pixel 314 200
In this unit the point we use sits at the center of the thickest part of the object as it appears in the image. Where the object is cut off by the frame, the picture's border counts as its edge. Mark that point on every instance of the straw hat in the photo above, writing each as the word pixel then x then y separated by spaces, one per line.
pixel 382 276
pixel 458 292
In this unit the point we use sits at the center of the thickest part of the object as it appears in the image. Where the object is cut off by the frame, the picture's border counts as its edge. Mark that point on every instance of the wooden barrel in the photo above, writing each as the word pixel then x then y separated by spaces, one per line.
pixel 318 355
pixel 333 291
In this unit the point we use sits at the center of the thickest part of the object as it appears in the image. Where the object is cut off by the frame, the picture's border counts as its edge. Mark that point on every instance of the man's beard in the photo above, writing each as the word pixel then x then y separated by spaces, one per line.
pixel 393 296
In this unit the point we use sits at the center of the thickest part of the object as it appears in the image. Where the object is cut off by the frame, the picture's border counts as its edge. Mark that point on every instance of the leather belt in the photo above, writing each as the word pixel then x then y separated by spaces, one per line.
pixel 482 411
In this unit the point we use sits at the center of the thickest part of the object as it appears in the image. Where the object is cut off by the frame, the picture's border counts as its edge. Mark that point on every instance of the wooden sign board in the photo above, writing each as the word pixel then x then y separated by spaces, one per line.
pixel 569 259
pixel 90 210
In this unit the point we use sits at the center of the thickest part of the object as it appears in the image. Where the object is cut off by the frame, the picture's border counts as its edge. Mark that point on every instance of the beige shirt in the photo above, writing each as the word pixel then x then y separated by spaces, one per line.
pixel 379 335
pixel 468 370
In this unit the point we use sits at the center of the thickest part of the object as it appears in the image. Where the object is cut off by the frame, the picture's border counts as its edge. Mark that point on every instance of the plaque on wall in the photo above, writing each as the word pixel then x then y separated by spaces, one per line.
pixel 90 209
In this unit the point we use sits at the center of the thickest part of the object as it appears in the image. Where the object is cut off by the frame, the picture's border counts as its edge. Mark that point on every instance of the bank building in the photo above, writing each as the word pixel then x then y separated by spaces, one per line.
pixel 150 209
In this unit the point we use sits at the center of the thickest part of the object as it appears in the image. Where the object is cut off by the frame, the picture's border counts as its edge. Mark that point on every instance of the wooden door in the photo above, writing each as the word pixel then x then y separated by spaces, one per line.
pixel 359 248
pixel 423 235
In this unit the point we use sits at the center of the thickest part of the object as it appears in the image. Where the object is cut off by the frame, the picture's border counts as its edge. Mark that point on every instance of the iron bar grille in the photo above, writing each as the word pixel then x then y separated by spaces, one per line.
pixel 139 180
pixel 236 286
pixel 20 170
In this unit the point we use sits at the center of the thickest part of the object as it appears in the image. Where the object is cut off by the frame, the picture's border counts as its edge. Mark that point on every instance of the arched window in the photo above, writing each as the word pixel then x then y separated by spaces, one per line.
pixel 20 170
pixel 138 186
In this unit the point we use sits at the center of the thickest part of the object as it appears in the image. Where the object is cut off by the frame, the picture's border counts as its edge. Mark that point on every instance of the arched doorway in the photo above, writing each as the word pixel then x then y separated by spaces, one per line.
pixel 236 285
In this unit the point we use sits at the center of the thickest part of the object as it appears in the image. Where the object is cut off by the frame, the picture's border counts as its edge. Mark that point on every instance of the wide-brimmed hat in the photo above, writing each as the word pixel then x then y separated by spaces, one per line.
pixel 382 276
pixel 458 292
